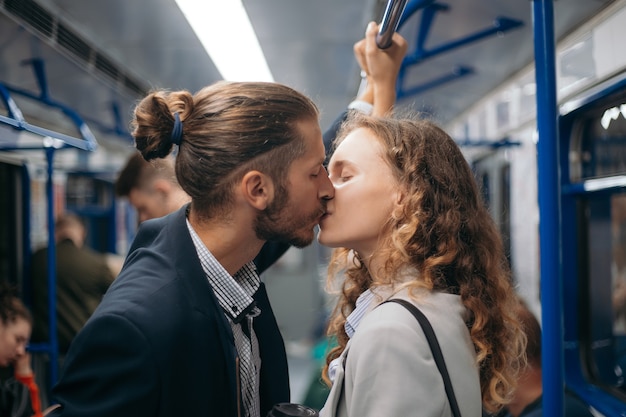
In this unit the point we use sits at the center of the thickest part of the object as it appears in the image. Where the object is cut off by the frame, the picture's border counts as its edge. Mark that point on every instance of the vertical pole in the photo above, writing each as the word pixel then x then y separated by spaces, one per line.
pixel 549 208
pixel 53 348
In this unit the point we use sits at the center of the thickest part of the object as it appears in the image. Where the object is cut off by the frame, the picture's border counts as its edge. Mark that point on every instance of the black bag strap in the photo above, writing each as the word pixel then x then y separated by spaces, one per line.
pixel 436 350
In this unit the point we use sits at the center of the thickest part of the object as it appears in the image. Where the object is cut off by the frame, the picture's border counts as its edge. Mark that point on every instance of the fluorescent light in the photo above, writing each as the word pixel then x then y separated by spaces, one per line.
pixel 604 183
pixel 225 32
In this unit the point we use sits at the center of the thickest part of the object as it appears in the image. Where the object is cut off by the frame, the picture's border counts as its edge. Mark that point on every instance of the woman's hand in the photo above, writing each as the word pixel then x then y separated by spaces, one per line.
pixel 381 67
pixel 23 366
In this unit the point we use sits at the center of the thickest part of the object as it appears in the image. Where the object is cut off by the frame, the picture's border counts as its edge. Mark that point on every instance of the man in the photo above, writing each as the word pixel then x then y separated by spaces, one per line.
pixel 187 328
pixel 82 278
pixel 150 187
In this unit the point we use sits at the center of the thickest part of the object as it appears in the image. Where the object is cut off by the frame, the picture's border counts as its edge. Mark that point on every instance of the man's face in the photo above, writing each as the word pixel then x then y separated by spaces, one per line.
pixel 149 203
pixel 296 210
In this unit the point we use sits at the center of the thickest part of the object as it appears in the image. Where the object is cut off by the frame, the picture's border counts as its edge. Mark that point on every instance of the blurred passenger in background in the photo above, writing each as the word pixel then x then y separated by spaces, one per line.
pixel 19 394
pixel 151 187
pixel 82 277
pixel 527 398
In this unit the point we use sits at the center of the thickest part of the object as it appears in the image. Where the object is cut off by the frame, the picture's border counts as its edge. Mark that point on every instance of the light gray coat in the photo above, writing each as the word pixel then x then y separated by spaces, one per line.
pixel 389 368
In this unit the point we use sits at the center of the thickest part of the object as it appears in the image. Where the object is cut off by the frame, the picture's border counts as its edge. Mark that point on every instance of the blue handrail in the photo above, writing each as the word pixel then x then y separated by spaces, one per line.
pixel 17 121
pixel 51 141
pixel 430 8
pixel 549 209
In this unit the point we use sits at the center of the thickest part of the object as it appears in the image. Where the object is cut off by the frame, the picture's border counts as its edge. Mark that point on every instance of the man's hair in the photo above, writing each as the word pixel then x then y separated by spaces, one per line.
pixel 66 223
pixel 139 174
pixel 224 131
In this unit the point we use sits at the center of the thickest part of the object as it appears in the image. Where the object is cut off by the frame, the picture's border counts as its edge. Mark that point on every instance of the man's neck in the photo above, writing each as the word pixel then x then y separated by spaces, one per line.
pixel 232 243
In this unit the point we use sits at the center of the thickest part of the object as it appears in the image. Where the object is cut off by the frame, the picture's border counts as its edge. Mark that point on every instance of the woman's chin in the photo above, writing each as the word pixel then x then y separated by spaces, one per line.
pixel 322 239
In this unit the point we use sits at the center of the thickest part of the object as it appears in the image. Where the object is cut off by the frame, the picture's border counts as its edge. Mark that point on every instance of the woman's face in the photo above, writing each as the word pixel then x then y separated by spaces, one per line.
pixel 13 339
pixel 365 194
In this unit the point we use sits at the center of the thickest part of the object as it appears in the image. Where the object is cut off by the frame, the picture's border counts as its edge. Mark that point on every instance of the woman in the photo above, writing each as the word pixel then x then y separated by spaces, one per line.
pixel 409 223
pixel 19 395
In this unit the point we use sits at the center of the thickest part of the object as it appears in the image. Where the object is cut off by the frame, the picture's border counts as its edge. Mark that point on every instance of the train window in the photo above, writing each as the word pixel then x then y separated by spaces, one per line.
pixel 91 196
pixel 493 174
pixel 606 269
pixel 594 238
pixel 603 141
pixel 618 273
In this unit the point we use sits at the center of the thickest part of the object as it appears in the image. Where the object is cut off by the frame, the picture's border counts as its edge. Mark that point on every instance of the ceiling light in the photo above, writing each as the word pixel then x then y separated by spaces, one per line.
pixel 225 32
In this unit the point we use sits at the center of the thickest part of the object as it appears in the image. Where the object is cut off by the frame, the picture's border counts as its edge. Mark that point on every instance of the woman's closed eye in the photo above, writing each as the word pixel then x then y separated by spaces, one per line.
pixel 344 176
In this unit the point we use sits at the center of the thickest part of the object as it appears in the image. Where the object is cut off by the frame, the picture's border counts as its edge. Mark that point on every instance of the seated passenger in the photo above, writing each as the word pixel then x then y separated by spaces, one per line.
pixel 527 398
pixel 19 394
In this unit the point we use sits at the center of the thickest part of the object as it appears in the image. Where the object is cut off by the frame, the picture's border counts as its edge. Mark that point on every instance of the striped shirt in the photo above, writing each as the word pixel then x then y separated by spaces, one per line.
pixel 234 294
pixel 351 324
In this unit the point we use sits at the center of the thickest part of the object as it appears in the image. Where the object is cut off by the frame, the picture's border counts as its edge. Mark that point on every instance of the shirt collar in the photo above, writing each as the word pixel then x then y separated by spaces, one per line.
pixel 362 307
pixel 234 293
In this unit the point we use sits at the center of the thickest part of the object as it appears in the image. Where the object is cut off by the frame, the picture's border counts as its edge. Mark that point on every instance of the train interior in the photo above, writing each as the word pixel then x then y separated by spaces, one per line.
pixel 71 72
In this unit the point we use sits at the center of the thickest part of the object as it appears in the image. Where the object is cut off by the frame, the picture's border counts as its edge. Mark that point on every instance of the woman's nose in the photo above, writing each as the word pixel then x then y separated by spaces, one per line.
pixel 327 190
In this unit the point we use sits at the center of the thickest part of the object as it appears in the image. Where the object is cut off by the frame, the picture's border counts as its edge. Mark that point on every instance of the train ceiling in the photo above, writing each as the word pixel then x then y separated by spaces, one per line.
pixel 99 57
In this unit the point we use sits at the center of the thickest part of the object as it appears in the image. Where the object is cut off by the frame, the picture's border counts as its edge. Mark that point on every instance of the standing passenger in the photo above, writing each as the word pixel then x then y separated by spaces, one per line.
pixel 187 328
pixel 151 187
pixel 409 223
pixel 82 277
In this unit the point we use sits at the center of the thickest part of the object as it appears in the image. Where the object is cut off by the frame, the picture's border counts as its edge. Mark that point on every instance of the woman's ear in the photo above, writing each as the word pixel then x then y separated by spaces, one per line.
pixel 399 201
pixel 257 189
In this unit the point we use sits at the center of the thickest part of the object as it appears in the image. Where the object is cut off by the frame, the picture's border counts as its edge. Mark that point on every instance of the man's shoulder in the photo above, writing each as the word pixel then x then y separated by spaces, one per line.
pixel 161 227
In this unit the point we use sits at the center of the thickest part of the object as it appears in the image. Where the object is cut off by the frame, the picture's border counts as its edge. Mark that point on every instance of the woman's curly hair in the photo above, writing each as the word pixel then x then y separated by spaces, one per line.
pixel 445 232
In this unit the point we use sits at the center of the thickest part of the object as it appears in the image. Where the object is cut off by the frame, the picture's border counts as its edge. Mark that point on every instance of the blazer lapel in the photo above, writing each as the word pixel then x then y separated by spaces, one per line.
pixel 198 290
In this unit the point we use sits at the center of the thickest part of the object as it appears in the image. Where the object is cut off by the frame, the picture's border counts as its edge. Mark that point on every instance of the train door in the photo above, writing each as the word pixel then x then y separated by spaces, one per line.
pixel 493 173
pixel 14 218
pixel 593 161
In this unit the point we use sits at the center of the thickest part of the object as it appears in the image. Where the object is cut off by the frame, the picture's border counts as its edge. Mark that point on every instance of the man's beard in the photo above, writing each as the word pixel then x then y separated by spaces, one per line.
pixel 280 222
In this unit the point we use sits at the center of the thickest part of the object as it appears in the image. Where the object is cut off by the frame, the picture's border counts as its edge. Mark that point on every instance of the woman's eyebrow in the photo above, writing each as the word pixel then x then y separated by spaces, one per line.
pixel 335 164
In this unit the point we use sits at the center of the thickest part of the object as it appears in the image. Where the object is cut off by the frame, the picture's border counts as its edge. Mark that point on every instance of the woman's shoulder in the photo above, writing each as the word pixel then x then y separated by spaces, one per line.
pixel 435 305
pixel 445 312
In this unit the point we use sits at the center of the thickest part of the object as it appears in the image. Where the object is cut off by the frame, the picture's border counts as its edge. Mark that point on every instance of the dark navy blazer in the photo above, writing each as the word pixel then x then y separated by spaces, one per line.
pixel 159 343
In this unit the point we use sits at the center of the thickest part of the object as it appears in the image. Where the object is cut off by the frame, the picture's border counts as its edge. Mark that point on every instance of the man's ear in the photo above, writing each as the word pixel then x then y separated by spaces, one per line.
pixel 162 186
pixel 257 189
